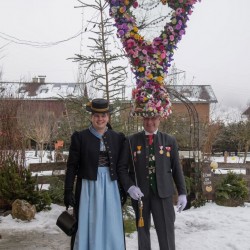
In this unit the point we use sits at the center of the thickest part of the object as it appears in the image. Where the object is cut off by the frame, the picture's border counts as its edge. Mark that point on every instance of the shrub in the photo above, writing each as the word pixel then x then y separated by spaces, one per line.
pixel 56 190
pixel 129 217
pixel 231 191
pixel 17 183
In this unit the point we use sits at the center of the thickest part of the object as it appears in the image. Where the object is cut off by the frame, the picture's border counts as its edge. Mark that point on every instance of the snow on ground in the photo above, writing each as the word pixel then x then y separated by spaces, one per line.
pixel 210 227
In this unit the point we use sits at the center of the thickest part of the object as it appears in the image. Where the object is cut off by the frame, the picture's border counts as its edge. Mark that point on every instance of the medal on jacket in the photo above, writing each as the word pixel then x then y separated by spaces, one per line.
pixel 168 149
pixel 138 149
pixel 161 150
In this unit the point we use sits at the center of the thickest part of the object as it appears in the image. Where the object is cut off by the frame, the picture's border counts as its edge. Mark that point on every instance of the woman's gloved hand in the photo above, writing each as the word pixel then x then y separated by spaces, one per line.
pixel 69 198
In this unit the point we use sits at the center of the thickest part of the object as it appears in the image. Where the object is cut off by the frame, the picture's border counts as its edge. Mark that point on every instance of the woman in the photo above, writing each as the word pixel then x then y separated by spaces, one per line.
pixel 93 157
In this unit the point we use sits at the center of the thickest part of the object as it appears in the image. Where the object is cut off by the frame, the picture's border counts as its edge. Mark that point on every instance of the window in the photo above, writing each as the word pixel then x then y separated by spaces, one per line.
pixel 44 91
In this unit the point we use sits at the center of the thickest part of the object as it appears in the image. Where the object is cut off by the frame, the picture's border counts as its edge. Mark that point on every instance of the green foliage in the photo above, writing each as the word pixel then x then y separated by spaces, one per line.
pixel 189 184
pixel 129 217
pixel 198 202
pixel 231 191
pixel 129 225
pixel 56 190
pixel 17 183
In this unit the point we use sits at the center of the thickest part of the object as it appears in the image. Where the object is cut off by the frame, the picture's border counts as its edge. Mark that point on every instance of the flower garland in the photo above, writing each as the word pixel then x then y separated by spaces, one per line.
pixel 150 60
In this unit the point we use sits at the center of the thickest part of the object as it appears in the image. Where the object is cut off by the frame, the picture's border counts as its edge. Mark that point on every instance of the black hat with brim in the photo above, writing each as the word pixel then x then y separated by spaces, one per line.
pixel 99 105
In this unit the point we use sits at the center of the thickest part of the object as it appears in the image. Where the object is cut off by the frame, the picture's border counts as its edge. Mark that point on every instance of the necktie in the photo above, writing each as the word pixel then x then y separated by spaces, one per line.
pixel 150 139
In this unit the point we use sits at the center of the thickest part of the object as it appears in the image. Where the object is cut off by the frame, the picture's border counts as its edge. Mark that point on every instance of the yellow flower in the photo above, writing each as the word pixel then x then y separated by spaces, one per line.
pixel 145 98
pixel 135 29
pixel 122 9
pixel 159 79
pixel 137 37
pixel 126 2
pixel 141 69
pixel 150 76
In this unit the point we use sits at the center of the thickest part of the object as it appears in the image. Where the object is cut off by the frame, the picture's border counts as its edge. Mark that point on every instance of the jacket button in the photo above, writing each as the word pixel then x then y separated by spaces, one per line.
pixel 147 177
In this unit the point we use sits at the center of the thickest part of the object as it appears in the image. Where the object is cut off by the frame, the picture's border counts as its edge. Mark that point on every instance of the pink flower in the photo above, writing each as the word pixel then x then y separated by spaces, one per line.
pixel 163 55
pixel 135 4
pixel 178 11
pixel 130 43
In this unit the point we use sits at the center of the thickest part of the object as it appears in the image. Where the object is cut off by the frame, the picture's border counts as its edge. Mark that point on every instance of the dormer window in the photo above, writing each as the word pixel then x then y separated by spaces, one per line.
pixel 44 91
pixel 21 91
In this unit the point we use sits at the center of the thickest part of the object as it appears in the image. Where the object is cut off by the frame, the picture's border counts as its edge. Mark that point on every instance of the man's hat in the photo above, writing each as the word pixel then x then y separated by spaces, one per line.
pixel 99 105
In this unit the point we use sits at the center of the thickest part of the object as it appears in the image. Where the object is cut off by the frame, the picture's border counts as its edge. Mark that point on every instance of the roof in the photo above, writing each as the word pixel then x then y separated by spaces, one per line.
pixel 247 112
pixel 38 90
pixel 194 93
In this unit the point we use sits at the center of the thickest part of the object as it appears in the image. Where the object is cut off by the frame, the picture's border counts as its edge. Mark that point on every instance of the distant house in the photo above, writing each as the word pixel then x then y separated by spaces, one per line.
pixel 199 96
pixel 49 95
pixel 38 94
pixel 246 113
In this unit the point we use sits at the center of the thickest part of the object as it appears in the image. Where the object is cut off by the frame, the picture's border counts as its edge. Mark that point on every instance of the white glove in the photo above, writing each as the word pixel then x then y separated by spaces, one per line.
pixel 181 203
pixel 135 192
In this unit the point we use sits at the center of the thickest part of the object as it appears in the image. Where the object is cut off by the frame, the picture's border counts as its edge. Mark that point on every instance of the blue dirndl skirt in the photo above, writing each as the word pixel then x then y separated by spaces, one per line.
pixel 100 224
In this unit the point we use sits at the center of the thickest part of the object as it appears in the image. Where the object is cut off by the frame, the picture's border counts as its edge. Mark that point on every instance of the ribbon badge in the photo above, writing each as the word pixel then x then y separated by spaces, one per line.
pixel 138 149
pixel 161 150
pixel 168 149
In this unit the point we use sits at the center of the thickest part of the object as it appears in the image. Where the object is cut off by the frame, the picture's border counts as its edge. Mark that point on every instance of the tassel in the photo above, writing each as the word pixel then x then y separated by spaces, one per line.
pixel 141 221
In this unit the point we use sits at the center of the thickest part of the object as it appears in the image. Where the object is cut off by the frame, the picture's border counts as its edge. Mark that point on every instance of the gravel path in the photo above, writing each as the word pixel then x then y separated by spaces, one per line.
pixel 32 240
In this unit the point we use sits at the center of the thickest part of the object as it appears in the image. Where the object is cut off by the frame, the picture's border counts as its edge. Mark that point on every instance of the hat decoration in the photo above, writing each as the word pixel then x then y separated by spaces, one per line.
pixel 150 60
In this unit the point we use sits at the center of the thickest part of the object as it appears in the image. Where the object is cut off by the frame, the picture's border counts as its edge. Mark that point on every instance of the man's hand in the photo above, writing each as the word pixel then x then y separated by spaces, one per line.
pixel 182 202
pixel 135 192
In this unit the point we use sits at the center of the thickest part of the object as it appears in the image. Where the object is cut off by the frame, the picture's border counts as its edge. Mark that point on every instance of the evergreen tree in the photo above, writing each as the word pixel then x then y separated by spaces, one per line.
pixel 107 75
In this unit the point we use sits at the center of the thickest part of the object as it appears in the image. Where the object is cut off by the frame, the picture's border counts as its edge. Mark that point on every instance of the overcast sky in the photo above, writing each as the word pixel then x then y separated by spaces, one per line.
pixel 214 51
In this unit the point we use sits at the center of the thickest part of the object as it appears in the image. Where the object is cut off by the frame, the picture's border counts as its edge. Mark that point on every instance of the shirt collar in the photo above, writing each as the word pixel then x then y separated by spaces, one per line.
pixel 147 133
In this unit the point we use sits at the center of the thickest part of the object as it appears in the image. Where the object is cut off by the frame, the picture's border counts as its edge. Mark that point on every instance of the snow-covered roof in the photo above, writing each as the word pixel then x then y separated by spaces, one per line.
pixel 194 93
pixel 42 90
pixel 37 90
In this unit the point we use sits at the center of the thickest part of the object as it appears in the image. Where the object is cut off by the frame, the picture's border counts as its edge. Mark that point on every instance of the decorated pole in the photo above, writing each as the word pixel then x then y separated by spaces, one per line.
pixel 150 60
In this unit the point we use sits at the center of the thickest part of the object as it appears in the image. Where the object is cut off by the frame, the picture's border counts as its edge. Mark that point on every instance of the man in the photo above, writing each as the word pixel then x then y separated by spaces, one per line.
pixel 152 166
